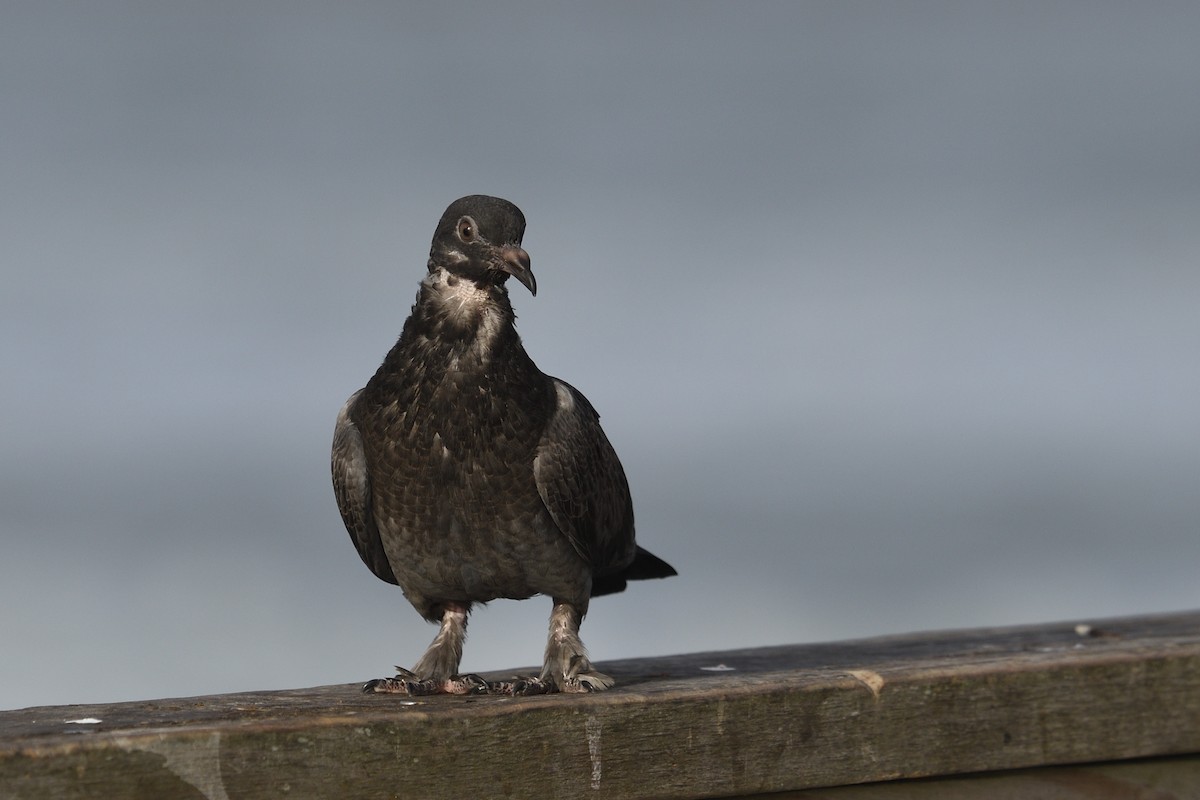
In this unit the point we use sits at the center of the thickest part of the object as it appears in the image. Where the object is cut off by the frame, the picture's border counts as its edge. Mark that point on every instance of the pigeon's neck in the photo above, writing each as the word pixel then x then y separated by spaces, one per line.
pixel 458 312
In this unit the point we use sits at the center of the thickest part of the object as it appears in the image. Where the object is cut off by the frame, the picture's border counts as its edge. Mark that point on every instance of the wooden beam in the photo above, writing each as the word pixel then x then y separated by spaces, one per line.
pixel 1146 779
pixel 702 725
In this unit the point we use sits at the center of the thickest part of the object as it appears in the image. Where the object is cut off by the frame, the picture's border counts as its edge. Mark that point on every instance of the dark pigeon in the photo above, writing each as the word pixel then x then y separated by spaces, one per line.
pixel 465 474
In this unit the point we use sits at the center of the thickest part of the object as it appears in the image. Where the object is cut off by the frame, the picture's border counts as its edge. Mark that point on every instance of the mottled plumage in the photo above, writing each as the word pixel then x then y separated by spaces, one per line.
pixel 465 474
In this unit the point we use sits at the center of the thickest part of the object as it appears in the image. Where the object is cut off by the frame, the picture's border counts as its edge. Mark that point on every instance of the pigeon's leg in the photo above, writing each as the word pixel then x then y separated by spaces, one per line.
pixel 566 665
pixel 437 671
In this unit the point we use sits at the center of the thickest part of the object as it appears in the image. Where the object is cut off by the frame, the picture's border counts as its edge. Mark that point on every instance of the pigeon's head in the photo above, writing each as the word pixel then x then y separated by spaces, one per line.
pixel 479 239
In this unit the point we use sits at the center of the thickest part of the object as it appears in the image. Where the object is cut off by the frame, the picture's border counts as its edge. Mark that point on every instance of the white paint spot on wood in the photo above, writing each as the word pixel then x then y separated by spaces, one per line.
pixel 196 761
pixel 592 727
pixel 83 721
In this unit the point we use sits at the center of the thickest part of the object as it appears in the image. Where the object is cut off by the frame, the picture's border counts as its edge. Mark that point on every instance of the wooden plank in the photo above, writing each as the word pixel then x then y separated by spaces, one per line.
pixel 700 725
pixel 1175 778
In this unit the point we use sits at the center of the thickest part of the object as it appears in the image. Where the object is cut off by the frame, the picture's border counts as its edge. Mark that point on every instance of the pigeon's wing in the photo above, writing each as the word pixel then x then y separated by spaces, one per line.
pixel 352 486
pixel 582 484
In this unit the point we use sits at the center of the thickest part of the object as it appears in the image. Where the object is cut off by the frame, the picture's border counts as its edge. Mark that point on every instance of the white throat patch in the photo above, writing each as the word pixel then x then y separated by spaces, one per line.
pixel 465 305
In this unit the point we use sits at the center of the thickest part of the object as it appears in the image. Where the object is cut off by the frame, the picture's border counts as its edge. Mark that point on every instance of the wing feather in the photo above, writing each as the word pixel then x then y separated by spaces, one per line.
pixel 582 484
pixel 352 486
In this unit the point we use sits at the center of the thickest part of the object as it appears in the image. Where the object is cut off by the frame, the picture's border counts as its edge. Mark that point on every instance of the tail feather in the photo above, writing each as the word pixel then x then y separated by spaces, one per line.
pixel 645 566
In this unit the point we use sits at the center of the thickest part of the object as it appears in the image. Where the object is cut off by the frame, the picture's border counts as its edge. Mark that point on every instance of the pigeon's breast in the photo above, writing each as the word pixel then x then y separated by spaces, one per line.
pixel 455 498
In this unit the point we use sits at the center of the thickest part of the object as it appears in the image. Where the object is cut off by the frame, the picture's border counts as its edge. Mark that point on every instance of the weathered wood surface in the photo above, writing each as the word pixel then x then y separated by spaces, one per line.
pixel 1151 779
pixel 703 725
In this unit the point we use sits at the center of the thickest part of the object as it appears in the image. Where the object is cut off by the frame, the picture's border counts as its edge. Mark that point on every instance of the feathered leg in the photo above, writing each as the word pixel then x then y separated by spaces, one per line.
pixel 437 671
pixel 566 663
pixel 566 667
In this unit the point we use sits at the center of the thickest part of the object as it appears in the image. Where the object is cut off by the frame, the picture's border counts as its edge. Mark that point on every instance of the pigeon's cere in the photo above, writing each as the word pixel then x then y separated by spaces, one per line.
pixel 465 474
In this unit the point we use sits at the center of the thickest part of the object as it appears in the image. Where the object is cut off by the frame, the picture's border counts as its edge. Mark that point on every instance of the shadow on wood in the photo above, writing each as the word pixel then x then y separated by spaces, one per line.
pixel 704 725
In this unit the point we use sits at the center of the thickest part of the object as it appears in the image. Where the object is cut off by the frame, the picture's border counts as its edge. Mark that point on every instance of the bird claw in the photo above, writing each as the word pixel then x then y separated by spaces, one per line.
pixel 527 687
pixel 396 685
pixel 406 682
pixel 583 683
pixel 588 682
pixel 469 683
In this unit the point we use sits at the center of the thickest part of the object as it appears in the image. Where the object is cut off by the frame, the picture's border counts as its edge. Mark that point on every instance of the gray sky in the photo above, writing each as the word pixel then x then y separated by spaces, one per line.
pixel 889 309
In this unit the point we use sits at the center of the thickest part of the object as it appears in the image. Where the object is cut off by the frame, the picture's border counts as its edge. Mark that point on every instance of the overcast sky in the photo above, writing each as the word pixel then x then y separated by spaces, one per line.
pixel 890 310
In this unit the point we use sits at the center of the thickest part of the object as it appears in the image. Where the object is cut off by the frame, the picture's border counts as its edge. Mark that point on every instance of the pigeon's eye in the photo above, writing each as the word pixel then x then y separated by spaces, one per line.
pixel 466 229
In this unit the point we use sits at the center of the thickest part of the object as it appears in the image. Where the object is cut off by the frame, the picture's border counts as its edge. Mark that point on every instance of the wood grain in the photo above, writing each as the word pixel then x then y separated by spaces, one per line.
pixel 702 725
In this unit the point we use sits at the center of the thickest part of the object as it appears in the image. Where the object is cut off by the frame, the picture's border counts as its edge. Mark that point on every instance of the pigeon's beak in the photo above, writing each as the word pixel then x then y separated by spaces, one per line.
pixel 515 261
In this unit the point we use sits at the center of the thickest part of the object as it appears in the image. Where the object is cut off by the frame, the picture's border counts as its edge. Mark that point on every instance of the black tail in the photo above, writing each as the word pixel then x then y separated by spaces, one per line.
pixel 645 566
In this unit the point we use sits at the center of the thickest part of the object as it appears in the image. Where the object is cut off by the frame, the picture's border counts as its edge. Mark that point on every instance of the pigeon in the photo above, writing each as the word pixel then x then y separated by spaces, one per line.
pixel 465 474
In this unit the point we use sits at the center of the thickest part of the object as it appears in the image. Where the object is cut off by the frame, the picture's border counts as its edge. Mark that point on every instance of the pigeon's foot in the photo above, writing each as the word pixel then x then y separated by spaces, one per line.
pixel 566 665
pixel 441 659
pixel 523 686
pixel 408 683
pixel 445 652
pixel 590 681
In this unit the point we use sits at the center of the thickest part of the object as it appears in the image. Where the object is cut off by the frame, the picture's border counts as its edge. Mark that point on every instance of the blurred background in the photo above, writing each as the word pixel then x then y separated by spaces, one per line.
pixel 889 309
